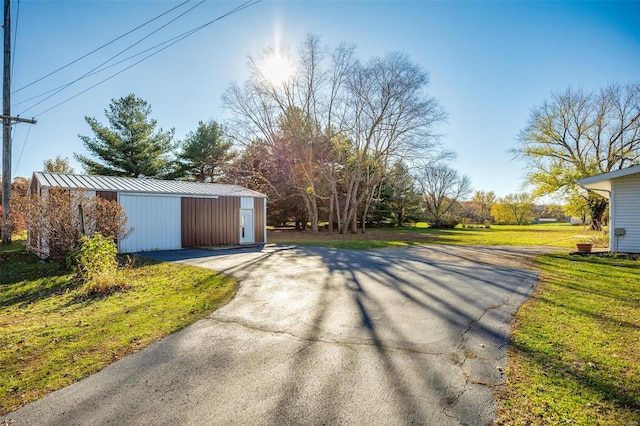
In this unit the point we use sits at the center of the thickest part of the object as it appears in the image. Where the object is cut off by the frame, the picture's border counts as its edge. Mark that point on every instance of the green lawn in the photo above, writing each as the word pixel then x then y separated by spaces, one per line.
pixel 51 335
pixel 553 235
pixel 574 356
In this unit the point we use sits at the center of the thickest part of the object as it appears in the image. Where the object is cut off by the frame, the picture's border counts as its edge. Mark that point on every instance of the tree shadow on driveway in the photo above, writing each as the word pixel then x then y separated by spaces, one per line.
pixel 448 321
pixel 444 314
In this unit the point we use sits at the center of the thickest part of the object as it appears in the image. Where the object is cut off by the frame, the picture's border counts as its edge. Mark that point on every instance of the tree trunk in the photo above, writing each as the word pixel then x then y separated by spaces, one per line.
pixel 338 216
pixel 330 226
pixel 354 225
pixel 336 200
pixel 597 206
pixel 348 207
pixel 312 208
pixel 365 210
pixel 364 218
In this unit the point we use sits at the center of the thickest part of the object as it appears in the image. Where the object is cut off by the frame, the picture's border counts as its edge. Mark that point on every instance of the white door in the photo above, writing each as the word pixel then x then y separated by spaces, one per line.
pixel 246 226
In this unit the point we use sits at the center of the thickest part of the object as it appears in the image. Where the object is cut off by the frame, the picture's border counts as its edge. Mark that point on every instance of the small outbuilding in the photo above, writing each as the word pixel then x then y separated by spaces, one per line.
pixel 622 188
pixel 169 214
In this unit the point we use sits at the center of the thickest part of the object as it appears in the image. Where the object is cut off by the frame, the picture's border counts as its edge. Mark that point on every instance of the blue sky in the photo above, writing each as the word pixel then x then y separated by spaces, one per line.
pixel 489 62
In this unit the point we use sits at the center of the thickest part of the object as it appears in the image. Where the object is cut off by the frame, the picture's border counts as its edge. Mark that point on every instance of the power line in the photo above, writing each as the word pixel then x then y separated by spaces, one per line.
pixel 22 150
pixel 113 57
pixel 15 38
pixel 98 71
pixel 101 47
pixel 177 39
pixel 106 79
pixel 171 42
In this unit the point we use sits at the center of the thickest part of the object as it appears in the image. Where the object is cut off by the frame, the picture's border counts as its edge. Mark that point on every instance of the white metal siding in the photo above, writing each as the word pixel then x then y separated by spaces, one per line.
pixel 156 223
pixel 246 203
pixel 625 213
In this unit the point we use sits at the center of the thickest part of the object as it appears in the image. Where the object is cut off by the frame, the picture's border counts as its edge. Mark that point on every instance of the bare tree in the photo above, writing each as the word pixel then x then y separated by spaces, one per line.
pixel 58 218
pixel 294 116
pixel 391 116
pixel 442 188
pixel 577 134
pixel 15 220
pixel 338 123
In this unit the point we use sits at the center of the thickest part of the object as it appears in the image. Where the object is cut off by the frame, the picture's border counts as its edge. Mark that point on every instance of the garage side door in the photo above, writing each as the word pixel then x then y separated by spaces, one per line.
pixel 156 223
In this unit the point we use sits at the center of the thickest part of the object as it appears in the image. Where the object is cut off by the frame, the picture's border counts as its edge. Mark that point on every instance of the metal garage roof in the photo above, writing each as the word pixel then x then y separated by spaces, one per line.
pixel 141 185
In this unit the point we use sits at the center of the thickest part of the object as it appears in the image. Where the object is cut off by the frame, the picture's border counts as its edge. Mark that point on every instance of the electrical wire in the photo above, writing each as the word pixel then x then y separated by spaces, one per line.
pixel 174 41
pixel 101 47
pixel 15 38
pixel 177 39
pixel 98 71
pixel 22 150
pixel 113 57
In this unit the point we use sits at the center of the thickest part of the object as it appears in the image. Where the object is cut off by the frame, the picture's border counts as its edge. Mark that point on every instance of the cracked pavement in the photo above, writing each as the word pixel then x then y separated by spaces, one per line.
pixel 319 336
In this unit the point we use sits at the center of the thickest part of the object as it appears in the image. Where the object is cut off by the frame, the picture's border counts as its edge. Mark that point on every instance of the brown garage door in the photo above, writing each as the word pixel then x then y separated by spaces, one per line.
pixel 210 221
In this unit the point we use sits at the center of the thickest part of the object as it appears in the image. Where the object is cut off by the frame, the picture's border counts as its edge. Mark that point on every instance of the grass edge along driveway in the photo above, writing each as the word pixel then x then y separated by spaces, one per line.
pixel 52 336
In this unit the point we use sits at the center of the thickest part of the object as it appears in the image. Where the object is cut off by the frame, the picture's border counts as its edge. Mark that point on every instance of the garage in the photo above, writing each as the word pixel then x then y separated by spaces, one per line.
pixel 167 214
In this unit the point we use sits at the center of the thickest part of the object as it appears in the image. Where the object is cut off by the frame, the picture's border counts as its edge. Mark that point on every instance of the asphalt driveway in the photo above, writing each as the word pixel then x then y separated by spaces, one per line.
pixel 318 336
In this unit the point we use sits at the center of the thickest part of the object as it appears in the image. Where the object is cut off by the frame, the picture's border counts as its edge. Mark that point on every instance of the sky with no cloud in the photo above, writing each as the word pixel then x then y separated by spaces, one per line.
pixel 489 63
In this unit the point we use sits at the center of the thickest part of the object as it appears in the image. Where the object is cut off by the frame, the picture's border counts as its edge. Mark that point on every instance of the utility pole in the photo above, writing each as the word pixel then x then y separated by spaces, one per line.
pixel 6 125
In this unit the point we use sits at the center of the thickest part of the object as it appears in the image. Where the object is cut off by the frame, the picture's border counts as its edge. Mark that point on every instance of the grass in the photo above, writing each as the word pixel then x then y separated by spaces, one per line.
pixel 574 357
pixel 553 235
pixel 51 335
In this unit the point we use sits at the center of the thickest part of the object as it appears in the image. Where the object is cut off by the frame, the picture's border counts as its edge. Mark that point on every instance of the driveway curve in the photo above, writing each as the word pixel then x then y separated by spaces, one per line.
pixel 320 336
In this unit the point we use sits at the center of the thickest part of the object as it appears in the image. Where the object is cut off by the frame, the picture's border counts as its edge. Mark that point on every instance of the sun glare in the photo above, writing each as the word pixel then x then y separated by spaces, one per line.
pixel 277 69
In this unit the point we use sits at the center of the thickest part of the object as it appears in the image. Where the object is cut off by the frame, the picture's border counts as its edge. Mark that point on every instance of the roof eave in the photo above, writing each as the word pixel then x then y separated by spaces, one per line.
pixel 611 175
pixel 105 183
pixel 601 184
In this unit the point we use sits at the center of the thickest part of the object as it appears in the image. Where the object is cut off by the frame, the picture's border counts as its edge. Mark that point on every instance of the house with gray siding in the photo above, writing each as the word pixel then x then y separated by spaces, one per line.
pixel 167 215
pixel 622 188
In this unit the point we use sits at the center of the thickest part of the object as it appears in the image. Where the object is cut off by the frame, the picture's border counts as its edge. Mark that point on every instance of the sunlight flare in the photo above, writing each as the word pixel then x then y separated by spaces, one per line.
pixel 276 68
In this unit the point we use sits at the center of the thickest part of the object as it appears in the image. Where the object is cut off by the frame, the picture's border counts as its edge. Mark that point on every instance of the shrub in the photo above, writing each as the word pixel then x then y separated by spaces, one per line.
pixel 96 256
pixel 97 265
pixel 108 218
pixel 15 222
pixel 104 283
pixel 57 220
pixel 448 222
